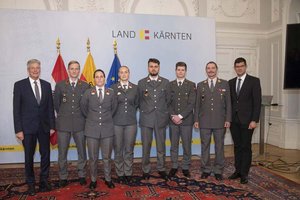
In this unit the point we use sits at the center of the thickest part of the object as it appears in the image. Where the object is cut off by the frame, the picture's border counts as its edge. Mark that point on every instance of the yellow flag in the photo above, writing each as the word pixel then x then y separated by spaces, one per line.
pixel 88 70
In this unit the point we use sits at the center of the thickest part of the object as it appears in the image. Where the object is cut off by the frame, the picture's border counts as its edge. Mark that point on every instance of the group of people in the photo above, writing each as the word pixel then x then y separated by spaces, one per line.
pixel 105 119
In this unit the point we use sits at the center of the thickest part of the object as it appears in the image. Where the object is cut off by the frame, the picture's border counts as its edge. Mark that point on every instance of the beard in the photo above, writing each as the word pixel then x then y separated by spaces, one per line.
pixel 153 73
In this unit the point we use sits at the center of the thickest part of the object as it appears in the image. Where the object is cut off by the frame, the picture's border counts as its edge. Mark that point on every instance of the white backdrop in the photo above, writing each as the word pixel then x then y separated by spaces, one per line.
pixel 32 34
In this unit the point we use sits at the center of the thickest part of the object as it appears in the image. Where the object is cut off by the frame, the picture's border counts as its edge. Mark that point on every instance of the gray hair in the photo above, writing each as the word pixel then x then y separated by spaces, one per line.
pixel 32 61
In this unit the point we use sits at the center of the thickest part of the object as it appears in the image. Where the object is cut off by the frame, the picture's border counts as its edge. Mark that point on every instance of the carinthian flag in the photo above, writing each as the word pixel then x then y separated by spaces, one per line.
pixel 59 73
pixel 88 70
pixel 112 77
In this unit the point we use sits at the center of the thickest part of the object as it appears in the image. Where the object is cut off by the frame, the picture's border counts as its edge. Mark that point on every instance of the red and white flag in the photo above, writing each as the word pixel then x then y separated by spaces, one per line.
pixel 59 73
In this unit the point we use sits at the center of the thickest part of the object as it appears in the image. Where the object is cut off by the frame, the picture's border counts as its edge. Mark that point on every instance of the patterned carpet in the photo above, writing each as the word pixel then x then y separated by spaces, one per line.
pixel 262 185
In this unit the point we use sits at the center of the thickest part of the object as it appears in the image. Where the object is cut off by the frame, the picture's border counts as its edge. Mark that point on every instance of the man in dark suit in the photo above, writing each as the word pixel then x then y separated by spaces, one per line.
pixel 70 122
pixel 246 103
pixel 183 97
pixel 34 121
pixel 154 116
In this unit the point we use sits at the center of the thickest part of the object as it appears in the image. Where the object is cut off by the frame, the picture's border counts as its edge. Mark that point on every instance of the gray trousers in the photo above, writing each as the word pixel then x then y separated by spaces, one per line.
pixel 106 145
pixel 219 135
pixel 185 133
pixel 63 140
pixel 124 141
pixel 160 139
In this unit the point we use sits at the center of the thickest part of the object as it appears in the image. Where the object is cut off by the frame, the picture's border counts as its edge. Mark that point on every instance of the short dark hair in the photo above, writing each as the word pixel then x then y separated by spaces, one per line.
pixel 98 70
pixel 211 62
pixel 239 60
pixel 73 62
pixel 181 64
pixel 154 60
pixel 124 66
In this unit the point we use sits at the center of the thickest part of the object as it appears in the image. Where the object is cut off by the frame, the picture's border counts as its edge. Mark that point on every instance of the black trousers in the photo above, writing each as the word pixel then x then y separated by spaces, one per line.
pixel 29 143
pixel 242 137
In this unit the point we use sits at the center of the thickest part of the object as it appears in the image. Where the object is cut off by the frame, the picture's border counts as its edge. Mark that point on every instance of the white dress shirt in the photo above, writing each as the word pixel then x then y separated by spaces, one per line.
pixel 242 81
pixel 33 86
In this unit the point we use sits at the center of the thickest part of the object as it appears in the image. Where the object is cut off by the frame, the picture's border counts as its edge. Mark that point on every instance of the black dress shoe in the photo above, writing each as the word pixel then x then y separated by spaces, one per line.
pixel 163 175
pixel 63 183
pixel 93 185
pixel 244 180
pixel 82 181
pixel 110 184
pixel 235 175
pixel 129 179
pixel 45 186
pixel 204 175
pixel 172 172
pixel 146 176
pixel 122 179
pixel 218 177
pixel 31 190
pixel 186 173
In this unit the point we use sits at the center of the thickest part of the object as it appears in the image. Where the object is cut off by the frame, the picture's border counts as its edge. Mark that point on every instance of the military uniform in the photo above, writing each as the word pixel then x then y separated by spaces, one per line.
pixel 125 127
pixel 99 129
pixel 70 122
pixel 183 97
pixel 212 109
pixel 154 116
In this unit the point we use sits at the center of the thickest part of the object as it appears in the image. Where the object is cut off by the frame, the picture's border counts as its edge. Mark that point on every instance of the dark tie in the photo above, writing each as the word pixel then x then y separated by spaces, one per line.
pixel 211 85
pixel 179 83
pixel 37 93
pixel 73 85
pixel 100 95
pixel 125 87
pixel 238 87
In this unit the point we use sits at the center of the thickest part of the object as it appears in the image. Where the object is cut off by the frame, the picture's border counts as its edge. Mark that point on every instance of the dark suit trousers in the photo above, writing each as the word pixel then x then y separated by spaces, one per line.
pixel 242 137
pixel 29 144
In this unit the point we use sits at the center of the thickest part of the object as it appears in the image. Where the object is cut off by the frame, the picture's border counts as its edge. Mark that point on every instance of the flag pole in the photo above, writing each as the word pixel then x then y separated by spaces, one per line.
pixel 58 45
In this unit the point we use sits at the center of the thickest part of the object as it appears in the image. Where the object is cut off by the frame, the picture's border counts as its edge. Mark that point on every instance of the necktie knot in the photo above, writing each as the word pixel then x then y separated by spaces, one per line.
pixel 179 83
pixel 124 87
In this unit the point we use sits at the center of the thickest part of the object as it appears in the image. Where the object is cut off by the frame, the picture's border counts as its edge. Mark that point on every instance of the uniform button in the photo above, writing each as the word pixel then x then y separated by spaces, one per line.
pixel 212 104
pixel 125 102
pixel 154 106
pixel 73 95
pixel 99 117
pixel 72 112
pixel 178 109
pixel 155 101
pixel 72 106
pixel 212 109
pixel 178 93
pixel 212 99
pixel 125 99
pixel 100 112
pixel 154 90
pixel 100 124
pixel 154 95
pixel 126 111
pixel 237 101
pixel 73 101
pixel 125 106
pixel 179 104
pixel 178 98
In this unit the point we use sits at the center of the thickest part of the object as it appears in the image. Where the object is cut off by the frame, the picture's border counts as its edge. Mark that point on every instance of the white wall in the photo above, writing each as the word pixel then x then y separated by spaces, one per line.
pixel 254 29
